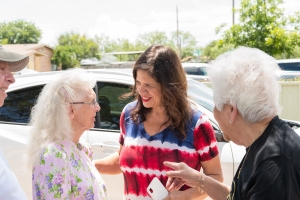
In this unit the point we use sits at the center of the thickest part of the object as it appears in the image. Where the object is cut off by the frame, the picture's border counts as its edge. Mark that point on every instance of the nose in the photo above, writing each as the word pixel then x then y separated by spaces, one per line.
pixel 97 106
pixel 141 89
pixel 10 78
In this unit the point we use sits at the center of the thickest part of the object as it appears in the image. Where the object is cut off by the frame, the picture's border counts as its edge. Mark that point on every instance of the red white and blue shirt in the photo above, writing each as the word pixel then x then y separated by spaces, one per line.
pixel 142 155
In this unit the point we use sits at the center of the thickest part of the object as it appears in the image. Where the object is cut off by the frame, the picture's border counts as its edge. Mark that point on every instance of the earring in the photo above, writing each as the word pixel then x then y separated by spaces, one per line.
pixel 230 122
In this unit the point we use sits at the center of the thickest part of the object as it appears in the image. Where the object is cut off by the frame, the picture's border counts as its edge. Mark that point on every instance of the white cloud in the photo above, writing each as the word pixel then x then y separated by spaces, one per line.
pixel 115 29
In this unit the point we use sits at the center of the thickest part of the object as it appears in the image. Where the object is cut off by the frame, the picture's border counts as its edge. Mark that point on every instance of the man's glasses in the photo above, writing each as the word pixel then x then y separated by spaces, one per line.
pixel 94 102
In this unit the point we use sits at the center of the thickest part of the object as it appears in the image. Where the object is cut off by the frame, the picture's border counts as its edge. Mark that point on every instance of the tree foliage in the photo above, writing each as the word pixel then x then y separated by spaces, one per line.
pixel 72 48
pixel 155 37
pixel 213 50
pixel 108 45
pixel 19 32
pixel 263 25
pixel 188 43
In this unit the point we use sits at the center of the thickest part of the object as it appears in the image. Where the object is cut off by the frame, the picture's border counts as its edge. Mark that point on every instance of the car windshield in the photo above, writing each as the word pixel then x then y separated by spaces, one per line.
pixel 201 94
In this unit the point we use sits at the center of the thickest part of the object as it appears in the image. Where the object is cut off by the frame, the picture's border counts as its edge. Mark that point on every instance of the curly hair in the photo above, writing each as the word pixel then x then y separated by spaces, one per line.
pixel 164 66
pixel 246 78
pixel 49 117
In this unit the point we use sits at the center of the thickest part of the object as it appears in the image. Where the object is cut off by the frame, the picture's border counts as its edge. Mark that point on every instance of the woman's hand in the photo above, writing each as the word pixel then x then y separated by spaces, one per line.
pixel 174 184
pixel 181 174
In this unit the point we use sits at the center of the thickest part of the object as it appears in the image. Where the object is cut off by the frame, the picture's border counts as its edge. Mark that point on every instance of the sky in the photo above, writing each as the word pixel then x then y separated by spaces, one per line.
pixel 126 18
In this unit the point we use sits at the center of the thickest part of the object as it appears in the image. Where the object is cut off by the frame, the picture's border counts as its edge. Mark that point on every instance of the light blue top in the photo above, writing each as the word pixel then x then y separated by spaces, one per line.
pixel 9 185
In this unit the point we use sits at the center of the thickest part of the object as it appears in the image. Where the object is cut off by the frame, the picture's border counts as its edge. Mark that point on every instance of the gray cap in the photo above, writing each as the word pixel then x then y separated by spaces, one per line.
pixel 16 61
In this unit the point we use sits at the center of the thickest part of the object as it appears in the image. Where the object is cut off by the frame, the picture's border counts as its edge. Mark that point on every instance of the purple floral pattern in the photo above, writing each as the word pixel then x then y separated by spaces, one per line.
pixel 65 172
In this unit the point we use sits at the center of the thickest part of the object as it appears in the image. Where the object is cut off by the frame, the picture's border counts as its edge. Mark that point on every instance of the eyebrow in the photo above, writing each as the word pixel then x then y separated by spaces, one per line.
pixel 145 83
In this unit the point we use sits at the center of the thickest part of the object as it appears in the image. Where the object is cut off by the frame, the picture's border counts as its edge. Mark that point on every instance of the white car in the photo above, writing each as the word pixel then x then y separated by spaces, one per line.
pixel 289 64
pixel 197 71
pixel 14 116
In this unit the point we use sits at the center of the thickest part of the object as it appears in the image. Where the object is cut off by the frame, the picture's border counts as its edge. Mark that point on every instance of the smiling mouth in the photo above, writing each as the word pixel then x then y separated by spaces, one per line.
pixel 3 89
pixel 146 99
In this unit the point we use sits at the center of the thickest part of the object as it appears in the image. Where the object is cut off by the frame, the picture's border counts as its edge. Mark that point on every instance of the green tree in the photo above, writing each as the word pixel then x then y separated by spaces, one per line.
pixel 156 37
pixel 108 45
pixel 72 48
pixel 188 43
pixel 19 32
pixel 264 26
pixel 213 50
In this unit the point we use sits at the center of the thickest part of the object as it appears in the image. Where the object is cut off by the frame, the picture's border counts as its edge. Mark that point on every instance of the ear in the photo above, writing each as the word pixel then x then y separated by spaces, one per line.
pixel 233 114
pixel 71 112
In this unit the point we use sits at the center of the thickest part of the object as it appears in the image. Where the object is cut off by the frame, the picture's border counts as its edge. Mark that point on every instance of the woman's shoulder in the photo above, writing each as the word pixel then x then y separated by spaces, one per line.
pixel 54 151
pixel 58 146
pixel 87 148
pixel 128 108
pixel 131 105
pixel 196 114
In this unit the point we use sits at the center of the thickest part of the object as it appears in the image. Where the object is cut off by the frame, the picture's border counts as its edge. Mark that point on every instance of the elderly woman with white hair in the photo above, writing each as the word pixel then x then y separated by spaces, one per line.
pixel 246 95
pixel 61 161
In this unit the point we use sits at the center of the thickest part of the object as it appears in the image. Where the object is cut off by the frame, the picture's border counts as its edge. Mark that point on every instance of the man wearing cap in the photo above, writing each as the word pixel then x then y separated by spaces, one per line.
pixel 9 62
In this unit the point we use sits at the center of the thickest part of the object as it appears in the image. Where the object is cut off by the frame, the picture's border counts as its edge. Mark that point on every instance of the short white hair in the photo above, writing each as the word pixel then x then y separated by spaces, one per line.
pixel 49 117
pixel 246 78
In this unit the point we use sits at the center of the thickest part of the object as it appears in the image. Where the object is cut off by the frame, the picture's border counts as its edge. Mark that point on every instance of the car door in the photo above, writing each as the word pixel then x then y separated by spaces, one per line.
pixel 104 138
pixel 14 132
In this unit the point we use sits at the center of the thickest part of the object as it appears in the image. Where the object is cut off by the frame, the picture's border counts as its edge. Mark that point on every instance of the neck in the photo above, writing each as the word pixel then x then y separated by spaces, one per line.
pixel 255 131
pixel 76 136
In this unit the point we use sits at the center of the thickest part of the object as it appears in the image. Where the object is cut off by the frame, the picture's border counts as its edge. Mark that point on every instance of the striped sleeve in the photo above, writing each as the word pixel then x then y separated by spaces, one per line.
pixel 204 139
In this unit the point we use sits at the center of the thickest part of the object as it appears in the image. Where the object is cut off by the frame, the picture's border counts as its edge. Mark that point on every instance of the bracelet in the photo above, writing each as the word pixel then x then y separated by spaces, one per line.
pixel 201 184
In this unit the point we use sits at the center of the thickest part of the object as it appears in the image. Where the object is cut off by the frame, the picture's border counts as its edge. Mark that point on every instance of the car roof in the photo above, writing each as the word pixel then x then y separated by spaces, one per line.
pixel 288 60
pixel 41 78
pixel 194 64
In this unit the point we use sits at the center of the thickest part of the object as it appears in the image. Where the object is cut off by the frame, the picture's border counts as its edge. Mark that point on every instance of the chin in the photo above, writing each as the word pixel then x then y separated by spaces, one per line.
pixel 146 106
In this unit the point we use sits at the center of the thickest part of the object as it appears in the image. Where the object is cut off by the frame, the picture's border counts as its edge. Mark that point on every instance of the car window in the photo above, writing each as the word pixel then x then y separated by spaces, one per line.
pixel 196 70
pixel 110 103
pixel 18 104
pixel 293 66
pixel 202 71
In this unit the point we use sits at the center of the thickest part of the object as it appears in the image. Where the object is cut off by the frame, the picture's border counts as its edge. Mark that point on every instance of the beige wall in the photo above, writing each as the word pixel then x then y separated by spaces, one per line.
pixel 43 63
pixel 39 62
pixel 289 99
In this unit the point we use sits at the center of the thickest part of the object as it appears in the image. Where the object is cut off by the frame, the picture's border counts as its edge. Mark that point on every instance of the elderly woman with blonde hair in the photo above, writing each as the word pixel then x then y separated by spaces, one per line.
pixel 61 161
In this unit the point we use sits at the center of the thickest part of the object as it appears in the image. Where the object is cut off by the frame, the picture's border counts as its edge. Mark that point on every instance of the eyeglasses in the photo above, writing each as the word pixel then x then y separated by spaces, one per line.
pixel 94 102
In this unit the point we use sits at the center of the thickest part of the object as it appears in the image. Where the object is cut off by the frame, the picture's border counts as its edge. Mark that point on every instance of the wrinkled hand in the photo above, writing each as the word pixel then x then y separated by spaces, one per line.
pixel 180 175
pixel 174 184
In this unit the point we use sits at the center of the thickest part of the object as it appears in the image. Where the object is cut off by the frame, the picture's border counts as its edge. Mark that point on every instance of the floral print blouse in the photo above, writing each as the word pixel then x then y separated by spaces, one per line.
pixel 65 171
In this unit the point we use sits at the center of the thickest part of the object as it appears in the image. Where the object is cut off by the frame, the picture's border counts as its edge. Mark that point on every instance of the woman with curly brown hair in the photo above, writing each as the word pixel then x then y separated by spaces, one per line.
pixel 161 125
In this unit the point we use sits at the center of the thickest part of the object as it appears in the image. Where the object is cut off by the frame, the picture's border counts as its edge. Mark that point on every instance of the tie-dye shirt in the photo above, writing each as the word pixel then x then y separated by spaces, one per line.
pixel 65 171
pixel 142 156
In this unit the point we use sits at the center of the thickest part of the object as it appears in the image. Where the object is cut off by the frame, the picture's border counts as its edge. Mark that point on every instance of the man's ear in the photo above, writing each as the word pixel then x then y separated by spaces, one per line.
pixel 233 114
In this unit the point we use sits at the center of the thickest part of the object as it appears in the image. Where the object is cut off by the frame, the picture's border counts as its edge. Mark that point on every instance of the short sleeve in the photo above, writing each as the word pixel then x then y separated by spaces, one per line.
pixel 204 139
pixel 49 178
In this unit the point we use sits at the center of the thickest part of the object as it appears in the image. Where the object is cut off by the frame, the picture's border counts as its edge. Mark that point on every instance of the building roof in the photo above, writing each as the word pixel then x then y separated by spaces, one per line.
pixel 124 52
pixel 26 49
